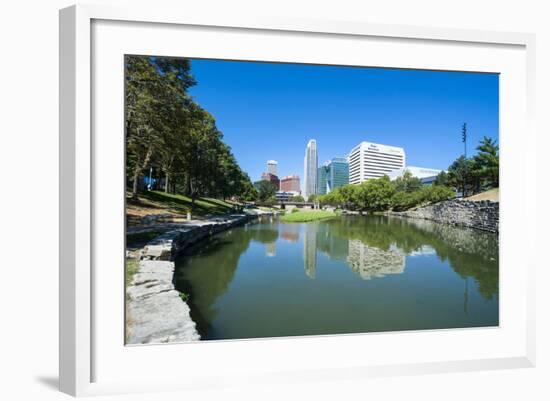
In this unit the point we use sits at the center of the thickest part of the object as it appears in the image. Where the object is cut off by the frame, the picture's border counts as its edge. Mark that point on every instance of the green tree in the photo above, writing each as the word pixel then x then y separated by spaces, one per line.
pixel 375 194
pixel 347 195
pixel 266 190
pixel 407 182
pixel 404 200
pixel 462 176
pixel 297 198
pixel 487 162
pixel 143 123
pixel 442 179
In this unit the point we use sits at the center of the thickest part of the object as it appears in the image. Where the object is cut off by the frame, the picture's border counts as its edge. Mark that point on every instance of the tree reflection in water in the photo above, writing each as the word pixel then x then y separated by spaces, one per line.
pixel 372 247
pixel 471 253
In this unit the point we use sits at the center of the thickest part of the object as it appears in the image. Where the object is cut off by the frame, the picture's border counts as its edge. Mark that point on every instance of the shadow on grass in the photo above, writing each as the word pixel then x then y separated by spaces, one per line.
pixel 183 204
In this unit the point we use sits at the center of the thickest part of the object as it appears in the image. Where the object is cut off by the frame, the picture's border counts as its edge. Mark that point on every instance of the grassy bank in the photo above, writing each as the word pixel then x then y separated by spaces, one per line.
pixel 303 217
pixel 157 202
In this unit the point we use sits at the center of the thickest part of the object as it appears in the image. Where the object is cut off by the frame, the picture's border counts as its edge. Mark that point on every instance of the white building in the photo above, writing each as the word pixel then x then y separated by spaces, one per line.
pixel 426 175
pixel 285 196
pixel 310 169
pixel 371 160
pixel 272 167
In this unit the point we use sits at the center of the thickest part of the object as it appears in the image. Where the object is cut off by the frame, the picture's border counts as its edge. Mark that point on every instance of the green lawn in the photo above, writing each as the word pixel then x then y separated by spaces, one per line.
pixel 182 204
pixel 303 217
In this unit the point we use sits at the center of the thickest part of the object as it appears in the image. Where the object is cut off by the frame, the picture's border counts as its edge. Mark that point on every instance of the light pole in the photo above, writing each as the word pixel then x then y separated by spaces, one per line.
pixel 464 139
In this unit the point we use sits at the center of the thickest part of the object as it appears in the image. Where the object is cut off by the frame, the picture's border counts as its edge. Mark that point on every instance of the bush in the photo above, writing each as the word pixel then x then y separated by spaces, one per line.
pixel 428 194
pixel 436 193
pixel 295 210
pixel 404 200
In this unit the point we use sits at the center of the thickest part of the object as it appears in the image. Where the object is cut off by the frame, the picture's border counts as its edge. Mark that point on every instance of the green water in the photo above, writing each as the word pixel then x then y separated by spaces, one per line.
pixel 344 275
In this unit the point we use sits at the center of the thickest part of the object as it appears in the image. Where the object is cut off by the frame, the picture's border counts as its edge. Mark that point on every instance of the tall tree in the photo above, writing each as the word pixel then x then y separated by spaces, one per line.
pixel 487 162
pixel 143 122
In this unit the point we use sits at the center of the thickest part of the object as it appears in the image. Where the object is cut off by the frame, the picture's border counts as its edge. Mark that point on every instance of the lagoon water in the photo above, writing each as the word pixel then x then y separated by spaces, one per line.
pixel 352 274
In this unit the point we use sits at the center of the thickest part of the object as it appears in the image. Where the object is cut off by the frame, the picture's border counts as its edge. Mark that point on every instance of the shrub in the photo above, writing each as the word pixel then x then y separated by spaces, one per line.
pixel 436 193
pixel 404 200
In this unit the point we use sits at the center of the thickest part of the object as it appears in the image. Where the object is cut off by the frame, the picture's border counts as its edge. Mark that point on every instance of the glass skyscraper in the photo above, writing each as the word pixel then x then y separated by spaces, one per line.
pixel 332 174
pixel 310 169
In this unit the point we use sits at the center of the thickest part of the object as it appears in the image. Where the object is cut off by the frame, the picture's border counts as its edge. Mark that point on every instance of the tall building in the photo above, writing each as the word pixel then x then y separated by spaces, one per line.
pixel 371 160
pixel 310 169
pixel 272 167
pixel 332 174
pixel 271 177
pixel 290 183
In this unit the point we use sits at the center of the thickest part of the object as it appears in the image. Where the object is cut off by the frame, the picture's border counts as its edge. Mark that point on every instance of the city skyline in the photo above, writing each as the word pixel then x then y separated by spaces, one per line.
pixel 270 110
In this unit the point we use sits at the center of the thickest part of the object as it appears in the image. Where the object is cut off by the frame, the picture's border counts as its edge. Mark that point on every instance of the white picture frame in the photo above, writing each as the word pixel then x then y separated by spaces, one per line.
pixel 82 350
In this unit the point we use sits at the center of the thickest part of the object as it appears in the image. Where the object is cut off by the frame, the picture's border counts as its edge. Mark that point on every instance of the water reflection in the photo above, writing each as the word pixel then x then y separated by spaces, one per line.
pixel 369 262
pixel 444 276
pixel 310 249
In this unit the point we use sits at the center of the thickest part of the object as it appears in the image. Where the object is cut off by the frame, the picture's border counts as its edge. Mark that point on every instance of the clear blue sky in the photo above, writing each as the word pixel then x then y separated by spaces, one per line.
pixel 270 111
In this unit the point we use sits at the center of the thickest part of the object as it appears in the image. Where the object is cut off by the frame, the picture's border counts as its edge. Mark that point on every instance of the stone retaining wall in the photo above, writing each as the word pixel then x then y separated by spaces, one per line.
pixel 482 215
pixel 155 311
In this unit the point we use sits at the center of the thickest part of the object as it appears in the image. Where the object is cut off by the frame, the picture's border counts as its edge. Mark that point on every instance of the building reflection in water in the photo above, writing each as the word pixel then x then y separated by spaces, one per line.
pixel 310 249
pixel 366 261
pixel 270 249
pixel 290 232
pixel 369 262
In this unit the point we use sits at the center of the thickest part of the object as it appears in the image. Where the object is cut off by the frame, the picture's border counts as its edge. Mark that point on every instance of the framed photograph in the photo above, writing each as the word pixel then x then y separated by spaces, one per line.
pixel 287 200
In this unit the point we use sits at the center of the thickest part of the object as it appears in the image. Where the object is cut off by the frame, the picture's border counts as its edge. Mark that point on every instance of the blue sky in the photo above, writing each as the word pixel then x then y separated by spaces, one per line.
pixel 270 111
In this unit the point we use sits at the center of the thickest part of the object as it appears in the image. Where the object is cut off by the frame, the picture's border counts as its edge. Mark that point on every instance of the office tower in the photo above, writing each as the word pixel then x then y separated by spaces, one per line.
pixel 331 175
pixel 371 160
pixel 272 167
pixel 310 169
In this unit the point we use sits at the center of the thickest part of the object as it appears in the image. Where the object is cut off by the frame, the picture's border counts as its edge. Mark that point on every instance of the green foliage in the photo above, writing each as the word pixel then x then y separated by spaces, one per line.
pixel 297 198
pixel 184 296
pixel 479 173
pixel 407 182
pixel 266 190
pixel 312 198
pixel 303 216
pixel 404 200
pixel 435 193
pixel 167 130
pixel 487 162
pixel 382 194
pixel 295 210
pixel 442 179
pixel 374 195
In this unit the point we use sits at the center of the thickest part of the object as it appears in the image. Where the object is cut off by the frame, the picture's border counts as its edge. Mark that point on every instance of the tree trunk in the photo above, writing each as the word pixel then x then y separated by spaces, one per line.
pixel 135 179
pixel 166 184
pixel 137 171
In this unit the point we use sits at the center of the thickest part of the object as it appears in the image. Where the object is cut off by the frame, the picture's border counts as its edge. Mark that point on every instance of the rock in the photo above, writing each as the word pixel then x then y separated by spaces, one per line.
pixel 156 312
pixel 482 215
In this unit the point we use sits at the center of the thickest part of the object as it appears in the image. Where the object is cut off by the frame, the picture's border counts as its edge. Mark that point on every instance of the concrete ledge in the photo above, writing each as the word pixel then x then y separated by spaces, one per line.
pixel 155 311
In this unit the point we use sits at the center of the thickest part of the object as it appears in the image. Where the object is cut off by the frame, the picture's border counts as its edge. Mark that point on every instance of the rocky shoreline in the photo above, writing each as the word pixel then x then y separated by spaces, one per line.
pixel 155 311
pixel 481 215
